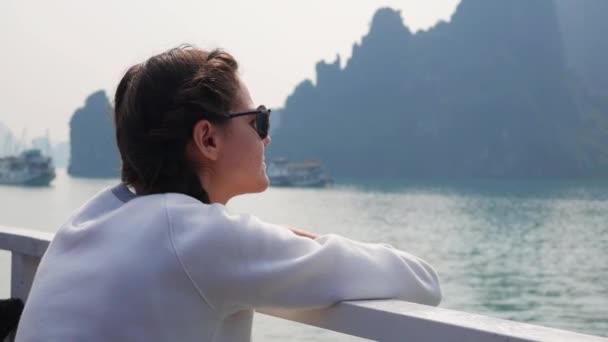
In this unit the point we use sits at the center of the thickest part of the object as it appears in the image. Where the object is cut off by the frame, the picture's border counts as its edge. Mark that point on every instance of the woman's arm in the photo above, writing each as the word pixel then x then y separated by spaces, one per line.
pixel 239 262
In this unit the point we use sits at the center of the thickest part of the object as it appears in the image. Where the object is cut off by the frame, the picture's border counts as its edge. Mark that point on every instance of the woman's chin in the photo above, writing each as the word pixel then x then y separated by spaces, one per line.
pixel 261 185
pixel 265 183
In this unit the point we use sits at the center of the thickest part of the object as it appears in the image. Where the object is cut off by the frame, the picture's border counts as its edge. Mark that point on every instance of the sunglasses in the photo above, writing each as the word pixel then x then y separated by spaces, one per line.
pixel 262 120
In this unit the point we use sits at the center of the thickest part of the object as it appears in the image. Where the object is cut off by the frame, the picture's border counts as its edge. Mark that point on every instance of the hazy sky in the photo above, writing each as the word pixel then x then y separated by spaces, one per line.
pixel 55 53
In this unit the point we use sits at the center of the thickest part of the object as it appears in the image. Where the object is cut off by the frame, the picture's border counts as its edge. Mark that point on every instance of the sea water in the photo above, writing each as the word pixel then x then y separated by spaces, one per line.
pixel 529 251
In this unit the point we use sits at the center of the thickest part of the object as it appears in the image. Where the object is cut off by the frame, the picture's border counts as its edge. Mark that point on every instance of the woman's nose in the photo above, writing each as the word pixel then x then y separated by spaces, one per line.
pixel 267 140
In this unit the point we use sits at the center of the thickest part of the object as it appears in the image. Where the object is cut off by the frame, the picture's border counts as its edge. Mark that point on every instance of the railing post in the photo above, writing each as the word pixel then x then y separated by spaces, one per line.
pixel 27 248
pixel 23 269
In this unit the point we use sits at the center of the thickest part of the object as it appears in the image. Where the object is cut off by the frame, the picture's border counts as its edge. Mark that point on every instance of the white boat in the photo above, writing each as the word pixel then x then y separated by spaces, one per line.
pixel 308 173
pixel 28 168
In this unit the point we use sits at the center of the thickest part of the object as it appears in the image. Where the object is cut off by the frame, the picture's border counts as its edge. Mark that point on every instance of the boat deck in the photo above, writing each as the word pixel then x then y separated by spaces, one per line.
pixel 380 320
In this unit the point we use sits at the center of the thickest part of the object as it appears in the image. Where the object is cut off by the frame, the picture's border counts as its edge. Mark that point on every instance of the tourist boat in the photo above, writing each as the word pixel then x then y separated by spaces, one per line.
pixel 308 173
pixel 28 168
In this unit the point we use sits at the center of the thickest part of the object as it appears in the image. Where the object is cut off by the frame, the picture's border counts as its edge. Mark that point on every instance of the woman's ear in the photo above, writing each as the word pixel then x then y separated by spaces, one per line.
pixel 207 139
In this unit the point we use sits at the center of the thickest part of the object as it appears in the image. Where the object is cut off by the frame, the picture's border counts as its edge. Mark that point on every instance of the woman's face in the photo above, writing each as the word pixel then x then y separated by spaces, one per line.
pixel 240 161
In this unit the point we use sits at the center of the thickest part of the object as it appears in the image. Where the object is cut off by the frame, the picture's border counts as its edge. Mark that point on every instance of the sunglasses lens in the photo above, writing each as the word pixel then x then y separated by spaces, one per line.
pixel 263 123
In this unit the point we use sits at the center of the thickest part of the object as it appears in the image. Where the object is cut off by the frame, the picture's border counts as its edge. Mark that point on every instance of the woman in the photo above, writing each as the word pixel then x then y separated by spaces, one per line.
pixel 159 257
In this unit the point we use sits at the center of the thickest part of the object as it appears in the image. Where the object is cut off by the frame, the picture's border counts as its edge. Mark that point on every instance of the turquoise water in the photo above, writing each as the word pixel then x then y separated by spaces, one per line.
pixel 533 252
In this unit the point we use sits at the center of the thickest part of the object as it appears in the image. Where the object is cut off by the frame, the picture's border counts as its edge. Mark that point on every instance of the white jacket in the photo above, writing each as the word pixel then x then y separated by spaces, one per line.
pixel 167 267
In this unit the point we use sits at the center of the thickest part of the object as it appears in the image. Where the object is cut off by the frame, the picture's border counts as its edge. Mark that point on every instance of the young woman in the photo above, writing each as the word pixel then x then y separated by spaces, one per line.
pixel 159 257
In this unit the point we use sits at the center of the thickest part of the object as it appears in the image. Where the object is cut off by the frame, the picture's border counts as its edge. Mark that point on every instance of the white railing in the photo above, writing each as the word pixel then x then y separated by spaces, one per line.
pixel 381 320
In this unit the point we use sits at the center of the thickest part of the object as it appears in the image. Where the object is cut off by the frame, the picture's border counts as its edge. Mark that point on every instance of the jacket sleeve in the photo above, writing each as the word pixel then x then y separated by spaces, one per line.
pixel 239 262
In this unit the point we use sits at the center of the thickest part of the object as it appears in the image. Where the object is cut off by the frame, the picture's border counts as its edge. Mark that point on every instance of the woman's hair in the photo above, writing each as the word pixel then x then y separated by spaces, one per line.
pixel 156 106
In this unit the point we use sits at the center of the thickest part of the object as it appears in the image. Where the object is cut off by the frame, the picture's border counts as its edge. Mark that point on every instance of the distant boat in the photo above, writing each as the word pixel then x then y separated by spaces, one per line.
pixel 28 168
pixel 309 173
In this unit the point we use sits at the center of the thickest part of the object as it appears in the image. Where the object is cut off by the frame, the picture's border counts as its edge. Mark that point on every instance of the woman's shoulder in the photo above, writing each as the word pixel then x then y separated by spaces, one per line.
pixel 188 215
pixel 187 205
pixel 183 210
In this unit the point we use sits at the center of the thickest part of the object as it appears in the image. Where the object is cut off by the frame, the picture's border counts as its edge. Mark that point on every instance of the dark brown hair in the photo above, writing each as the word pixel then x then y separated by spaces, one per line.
pixel 157 104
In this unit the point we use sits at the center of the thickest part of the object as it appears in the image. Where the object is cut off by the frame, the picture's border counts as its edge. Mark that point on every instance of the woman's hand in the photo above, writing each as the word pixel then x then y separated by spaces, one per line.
pixel 303 233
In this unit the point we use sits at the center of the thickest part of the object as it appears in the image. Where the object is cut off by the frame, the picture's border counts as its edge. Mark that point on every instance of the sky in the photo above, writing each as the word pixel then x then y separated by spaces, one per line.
pixel 56 53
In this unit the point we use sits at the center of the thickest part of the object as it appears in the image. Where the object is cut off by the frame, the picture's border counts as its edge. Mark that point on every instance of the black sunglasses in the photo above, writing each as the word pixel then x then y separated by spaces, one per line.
pixel 262 120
